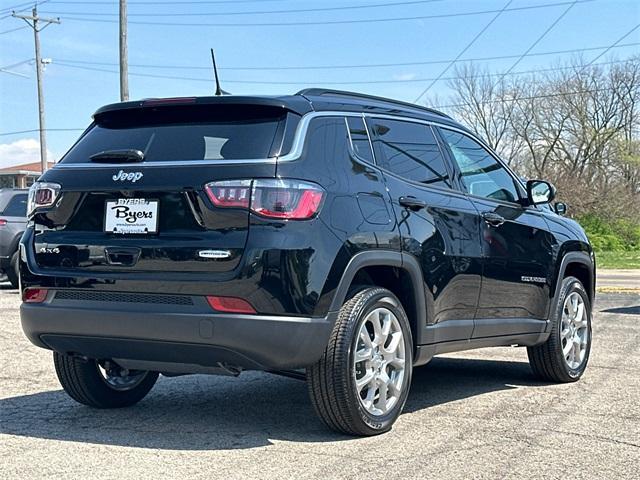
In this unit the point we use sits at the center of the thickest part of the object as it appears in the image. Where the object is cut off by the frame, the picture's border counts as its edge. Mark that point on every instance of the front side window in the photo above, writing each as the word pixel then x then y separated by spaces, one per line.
pixel 480 173
pixel 410 150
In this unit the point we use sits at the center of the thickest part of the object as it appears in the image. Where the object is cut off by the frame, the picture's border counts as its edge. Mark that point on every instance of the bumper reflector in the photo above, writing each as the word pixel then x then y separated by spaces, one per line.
pixel 229 304
pixel 34 295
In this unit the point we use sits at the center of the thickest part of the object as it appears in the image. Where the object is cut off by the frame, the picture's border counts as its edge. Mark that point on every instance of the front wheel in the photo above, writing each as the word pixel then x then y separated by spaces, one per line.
pixel 361 383
pixel 102 384
pixel 564 356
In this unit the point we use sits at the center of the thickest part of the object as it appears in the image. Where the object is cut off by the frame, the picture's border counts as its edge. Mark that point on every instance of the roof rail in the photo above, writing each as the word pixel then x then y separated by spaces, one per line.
pixel 342 93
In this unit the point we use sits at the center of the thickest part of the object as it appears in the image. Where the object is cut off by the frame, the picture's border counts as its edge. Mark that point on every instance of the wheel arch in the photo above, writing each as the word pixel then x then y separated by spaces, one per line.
pixel 579 265
pixel 398 272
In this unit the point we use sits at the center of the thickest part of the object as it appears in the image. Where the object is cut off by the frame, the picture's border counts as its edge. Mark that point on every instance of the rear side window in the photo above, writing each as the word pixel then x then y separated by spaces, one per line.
pixel 17 206
pixel 186 134
pixel 411 151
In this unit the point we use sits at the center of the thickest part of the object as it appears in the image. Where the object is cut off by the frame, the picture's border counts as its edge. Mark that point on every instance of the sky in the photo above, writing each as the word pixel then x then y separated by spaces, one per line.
pixel 257 38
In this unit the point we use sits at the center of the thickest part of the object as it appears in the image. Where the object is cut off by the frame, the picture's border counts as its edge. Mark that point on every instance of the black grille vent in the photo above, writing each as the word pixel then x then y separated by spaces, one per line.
pixel 123 297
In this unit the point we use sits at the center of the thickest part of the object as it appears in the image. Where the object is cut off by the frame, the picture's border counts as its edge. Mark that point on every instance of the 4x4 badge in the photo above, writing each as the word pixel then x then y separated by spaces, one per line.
pixel 123 176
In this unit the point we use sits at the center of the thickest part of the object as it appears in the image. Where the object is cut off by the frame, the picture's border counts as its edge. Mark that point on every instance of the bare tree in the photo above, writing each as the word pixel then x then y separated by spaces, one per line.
pixel 576 125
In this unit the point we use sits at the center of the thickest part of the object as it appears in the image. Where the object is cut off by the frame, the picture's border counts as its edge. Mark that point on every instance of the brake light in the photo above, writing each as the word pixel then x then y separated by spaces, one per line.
pixel 41 195
pixel 34 295
pixel 272 198
pixel 3 222
pixel 152 102
pixel 230 304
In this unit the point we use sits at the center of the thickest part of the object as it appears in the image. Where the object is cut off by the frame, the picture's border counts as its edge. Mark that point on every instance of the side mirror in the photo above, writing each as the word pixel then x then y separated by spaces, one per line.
pixel 539 191
pixel 560 208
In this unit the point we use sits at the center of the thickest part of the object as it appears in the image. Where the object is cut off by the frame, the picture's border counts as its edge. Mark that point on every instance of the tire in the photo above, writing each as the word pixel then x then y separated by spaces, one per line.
pixel 12 271
pixel 85 383
pixel 332 380
pixel 548 361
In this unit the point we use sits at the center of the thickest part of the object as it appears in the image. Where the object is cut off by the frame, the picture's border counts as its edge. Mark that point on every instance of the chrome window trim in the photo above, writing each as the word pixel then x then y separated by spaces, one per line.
pixel 366 129
pixel 296 148
pixel 294 154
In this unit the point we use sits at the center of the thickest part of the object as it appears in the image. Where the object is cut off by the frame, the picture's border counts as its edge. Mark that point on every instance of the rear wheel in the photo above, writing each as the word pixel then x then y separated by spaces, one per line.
pixel 564 356
pixel 361 383
pixel 12 271
pixel 102 384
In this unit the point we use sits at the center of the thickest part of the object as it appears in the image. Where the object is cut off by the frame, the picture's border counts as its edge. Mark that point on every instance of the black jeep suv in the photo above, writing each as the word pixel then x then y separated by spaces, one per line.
pixel 352 236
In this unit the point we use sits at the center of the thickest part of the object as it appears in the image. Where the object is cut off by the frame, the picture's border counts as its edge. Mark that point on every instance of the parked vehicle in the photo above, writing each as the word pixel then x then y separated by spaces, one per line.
pixel 351 236
pixel 13 220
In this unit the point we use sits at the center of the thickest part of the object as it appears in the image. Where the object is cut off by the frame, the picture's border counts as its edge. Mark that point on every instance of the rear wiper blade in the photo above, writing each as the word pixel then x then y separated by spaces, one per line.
pixel 126 155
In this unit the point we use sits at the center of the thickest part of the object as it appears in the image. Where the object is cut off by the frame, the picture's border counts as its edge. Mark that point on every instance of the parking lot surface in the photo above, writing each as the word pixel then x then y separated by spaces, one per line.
pixel 479 414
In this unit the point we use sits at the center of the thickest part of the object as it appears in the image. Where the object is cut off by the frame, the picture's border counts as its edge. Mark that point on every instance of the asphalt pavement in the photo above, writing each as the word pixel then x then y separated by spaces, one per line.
pixel 623 280
pixel 478 414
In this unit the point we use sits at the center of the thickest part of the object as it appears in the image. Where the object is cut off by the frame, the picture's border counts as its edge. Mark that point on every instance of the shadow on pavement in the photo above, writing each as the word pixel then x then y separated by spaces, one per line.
pixel 635 310
pixel 8 287
pixel 221 413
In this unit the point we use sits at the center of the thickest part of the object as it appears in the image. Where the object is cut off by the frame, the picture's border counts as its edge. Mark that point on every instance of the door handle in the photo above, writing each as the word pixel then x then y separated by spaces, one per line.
pixel 412 203
pixel 493 219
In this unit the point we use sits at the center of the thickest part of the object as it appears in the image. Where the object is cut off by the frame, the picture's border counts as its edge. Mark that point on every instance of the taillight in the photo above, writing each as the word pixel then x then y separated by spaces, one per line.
pixel 34 295
pixel 230 193
pixel 230 304
pixel 3 222
pixel 272 198
pixel 42 194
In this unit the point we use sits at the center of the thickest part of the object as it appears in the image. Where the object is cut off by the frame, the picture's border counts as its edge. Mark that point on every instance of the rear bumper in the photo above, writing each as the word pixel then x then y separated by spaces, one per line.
pixel 154 334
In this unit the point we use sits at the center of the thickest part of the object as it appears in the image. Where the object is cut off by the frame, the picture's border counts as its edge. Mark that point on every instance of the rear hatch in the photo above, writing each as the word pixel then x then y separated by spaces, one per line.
pixel 149 211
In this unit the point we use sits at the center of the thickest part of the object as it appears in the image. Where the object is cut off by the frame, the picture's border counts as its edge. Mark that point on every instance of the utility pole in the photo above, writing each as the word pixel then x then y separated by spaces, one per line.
pixel 34 22
pixel 124 68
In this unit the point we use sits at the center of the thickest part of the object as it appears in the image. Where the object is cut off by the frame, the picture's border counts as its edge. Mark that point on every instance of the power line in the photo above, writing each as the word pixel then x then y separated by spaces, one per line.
pixel 22 6
pixel 533 97
pixel 13 30
pixel 335 67
pixel 615 44
pixel 156 2
pixel 328 22
pixel 356 82
pixel 255 12
pixel 18 132
pixel 540 37
pixel 463 51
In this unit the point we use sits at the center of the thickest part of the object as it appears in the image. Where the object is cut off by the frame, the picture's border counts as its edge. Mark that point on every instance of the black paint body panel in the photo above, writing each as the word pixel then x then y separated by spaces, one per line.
pixel 468 282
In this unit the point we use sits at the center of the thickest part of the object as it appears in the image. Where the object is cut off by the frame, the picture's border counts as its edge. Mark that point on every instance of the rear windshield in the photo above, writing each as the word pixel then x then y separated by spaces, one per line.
pixel 171 134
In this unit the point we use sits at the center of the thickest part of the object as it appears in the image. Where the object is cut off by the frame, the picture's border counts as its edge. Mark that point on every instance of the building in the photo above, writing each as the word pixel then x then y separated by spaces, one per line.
pixel 20 176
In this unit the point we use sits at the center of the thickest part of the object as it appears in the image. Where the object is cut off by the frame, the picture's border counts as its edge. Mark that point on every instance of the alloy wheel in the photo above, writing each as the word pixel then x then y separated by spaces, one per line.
pixel 574 330
pixel 379 362
pixel 120 379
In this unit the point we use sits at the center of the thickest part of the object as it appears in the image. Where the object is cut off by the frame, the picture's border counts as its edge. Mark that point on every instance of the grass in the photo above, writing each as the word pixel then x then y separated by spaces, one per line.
pixel 618 259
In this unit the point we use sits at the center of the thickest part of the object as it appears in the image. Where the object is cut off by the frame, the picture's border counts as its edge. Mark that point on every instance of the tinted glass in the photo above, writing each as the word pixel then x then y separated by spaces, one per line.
pixel 189 135
pixel 359 138
pixel 481 174
pixel 410 150
pixel 17 206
